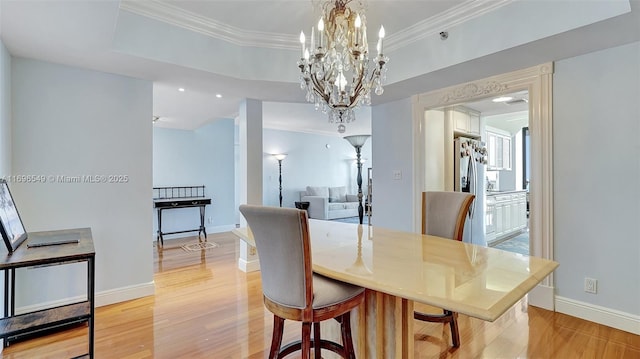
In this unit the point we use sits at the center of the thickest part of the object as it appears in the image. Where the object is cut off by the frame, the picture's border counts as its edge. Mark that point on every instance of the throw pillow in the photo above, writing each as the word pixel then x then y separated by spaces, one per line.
pixel 338 194
pixel 318 191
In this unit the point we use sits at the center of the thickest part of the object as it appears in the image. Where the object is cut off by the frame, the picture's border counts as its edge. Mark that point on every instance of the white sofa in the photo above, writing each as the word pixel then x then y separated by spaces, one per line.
pixel 330 202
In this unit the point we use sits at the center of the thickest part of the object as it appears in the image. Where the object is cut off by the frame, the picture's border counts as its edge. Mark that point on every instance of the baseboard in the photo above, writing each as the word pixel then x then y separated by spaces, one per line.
pixel 125 293
pixel 597 314
pixel 248 266
pixel 221 229
pixel 541 296
pixel 210 229
pixel 102 298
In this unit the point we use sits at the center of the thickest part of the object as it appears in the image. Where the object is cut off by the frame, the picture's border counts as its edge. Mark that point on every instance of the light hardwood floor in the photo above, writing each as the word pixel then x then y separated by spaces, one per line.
pixel 204 307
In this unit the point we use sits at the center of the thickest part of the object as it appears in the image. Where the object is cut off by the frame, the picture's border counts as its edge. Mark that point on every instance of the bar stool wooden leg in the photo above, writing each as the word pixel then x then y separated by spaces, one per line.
pixel 306 340
pixel 347 340
pixel 317 346
pixel 276 338
pixel 455 334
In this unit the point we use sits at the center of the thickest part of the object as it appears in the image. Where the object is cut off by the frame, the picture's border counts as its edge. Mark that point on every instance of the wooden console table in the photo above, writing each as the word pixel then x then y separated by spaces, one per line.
pixel 180 197
pixel 15 327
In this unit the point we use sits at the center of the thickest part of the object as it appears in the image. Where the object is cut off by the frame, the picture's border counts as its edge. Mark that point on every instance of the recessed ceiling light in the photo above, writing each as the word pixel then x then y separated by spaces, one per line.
pixel 181 89
pixel 502 99
pixel 218 95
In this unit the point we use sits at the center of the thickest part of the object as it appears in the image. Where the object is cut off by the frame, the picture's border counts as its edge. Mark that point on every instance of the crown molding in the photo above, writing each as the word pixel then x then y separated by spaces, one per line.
pixel 489 87
pixel 174 15
pixel 165 12
pixel 443 21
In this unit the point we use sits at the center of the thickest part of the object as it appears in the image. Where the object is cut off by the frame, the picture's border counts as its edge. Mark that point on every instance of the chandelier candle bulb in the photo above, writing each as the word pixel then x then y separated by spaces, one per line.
pixel 302 41
pixel 381 37
pixel 313 40
pixel 321 33
pixel 358 25
pixel 364 34
pixel 341 82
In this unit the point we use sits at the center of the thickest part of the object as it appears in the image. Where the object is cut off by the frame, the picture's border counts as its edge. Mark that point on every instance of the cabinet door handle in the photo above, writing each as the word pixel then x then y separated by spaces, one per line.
pixel 174 203
pixel 195 202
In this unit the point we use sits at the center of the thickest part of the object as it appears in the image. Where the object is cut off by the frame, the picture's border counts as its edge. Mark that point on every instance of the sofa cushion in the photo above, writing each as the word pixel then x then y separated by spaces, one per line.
pixel 318 191
pixel 338 194
pixel 352 198
pixel 351 205
pixel 335 206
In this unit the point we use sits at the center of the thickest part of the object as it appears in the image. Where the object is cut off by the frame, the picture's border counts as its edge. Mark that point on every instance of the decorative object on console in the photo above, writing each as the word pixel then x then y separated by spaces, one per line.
pixel 13 232
pixel 358 141
pixel 335 67
pixel 280 157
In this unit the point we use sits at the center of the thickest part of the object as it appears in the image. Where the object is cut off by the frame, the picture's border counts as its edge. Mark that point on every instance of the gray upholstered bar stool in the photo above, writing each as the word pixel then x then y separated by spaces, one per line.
pixel 291 290
pixel 443 215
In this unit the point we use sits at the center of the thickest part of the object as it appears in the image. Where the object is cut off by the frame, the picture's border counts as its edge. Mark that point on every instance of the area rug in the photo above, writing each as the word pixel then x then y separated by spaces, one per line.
pixel 517 244
pixel 199 246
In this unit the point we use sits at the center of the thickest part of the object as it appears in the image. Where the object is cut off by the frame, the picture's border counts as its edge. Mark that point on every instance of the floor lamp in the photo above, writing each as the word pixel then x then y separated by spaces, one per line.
pixel 280 157
pixel 358 141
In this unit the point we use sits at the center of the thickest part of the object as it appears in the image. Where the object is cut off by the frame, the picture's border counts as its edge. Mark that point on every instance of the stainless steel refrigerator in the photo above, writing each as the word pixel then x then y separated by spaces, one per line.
pixel 470 157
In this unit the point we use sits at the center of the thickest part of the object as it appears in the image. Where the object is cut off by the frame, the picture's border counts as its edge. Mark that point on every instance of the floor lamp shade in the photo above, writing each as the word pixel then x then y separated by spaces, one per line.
pixel 357 140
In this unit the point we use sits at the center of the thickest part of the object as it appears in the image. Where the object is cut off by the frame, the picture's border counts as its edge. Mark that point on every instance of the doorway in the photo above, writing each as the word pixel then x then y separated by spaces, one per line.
pixel 503 119
pixel 537 81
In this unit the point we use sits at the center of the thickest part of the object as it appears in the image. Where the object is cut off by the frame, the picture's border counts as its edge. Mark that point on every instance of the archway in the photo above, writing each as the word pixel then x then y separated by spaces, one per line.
pixel 537 81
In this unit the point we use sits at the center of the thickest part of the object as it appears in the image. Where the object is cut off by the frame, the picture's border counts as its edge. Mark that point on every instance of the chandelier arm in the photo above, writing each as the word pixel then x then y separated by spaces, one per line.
pixel 317 86
pixel 359 88
pixel 376 72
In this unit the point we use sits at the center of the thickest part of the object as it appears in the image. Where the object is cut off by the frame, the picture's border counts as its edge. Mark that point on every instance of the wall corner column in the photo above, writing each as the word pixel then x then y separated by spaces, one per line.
pixel 250 173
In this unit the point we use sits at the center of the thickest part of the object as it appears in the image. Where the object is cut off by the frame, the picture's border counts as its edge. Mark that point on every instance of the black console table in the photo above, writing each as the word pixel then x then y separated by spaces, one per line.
pixel 301 205
pixel 180 197
pixel 18 327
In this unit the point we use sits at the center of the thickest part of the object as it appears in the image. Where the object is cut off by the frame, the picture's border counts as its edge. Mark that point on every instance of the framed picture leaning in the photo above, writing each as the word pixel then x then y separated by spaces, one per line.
pixel 11 227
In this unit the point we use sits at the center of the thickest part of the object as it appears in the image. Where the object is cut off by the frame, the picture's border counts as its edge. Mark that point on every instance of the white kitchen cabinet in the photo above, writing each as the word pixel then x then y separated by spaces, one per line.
pixel 465 121
pixel 498 151
pixel 490 221
pixel 521 212
pixel 506 214
pixel 474 122
pixel 499 220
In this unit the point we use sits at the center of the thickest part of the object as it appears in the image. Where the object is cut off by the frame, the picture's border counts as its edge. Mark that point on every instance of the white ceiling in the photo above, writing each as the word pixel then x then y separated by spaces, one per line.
pixel 248 49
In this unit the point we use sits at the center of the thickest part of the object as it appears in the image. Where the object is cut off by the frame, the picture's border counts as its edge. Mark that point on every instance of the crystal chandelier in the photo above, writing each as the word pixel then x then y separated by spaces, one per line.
pixel 335 68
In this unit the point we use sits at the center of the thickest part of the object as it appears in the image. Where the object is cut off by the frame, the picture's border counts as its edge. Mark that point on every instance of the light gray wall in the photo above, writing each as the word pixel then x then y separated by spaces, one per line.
pixel 596 116
pixel 190 158
pixel 5 111
pixel 5 124
pixel 310 163
pixel 392 151
pixel 72 122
